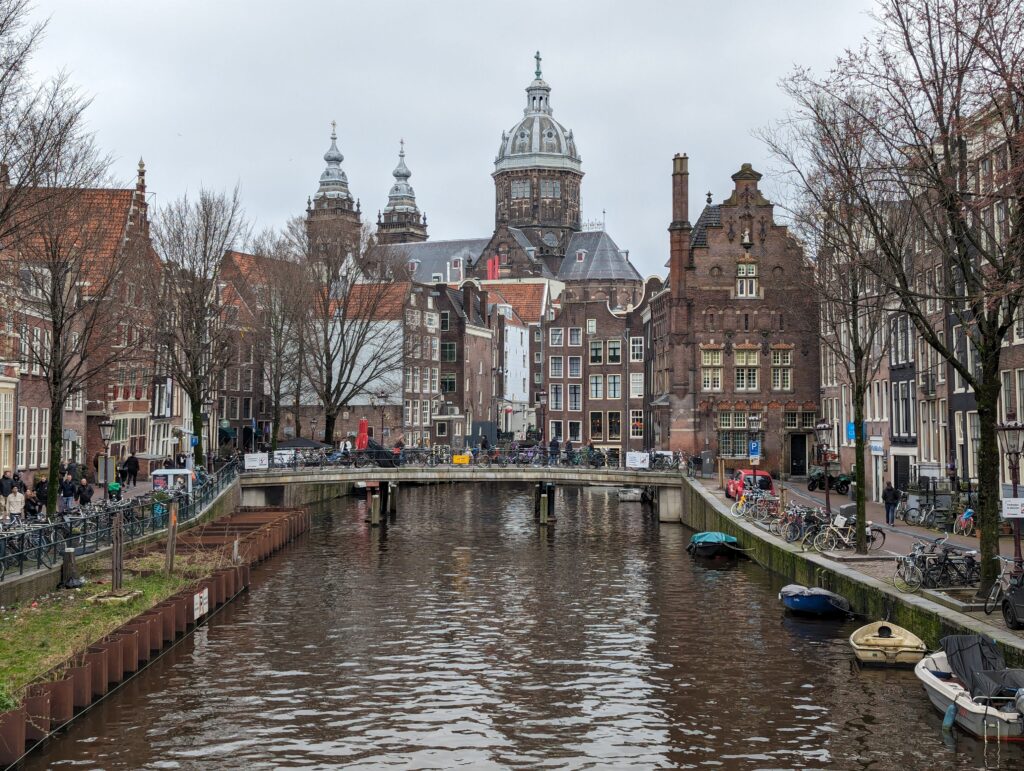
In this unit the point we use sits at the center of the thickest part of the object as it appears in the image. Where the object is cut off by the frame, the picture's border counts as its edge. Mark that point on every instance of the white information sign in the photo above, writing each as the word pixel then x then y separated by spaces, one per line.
pixel 283 457
pixel 257 461
pixel 1013 508
pixel 201 603
pixel 877 445
pixel 638 460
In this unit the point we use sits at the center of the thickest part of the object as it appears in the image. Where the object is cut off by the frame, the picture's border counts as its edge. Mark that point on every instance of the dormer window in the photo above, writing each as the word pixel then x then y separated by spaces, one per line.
pixel 413 264
pixel 581 255
pixel 746 280
pixel 436 278
pixel 457 264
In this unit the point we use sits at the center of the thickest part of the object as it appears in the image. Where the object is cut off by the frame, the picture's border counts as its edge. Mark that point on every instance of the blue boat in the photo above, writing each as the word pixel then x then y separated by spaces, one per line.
pixel 713 544
pixel 812 601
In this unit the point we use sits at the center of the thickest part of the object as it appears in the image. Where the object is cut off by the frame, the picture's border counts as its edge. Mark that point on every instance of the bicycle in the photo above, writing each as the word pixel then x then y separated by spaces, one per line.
pixel 842 532
pixel 909 576
pixel 964 524
pixel 1001 586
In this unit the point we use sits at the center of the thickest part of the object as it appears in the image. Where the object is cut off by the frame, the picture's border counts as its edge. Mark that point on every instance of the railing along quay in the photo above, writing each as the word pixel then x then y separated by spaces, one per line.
pixel 26 547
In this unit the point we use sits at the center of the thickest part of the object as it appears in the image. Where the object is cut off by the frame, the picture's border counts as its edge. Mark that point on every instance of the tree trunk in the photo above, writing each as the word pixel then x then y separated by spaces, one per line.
pixel 988 461
pixel 858 465
pixel 56 446
pixel 275 425
pixel 198 458
pixel 330 418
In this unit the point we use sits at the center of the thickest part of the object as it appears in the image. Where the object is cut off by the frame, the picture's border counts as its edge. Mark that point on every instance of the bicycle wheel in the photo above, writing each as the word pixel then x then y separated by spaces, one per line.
pixel 912 516
pixel 908 577
pixel 775 526
pixel 735 509
pixel 928 520
pixel 994 599
pixel 963 526
pixel 876 539
pixel 791 532
pixel 825 541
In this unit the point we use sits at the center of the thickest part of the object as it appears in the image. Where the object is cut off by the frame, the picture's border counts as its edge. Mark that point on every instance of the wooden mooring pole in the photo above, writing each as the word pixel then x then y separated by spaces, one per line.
pixel 172 536
pixel 375 510
pixel 116 552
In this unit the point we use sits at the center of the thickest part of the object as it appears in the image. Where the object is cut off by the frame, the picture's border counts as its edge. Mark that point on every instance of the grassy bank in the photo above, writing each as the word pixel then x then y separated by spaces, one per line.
pixel 39 635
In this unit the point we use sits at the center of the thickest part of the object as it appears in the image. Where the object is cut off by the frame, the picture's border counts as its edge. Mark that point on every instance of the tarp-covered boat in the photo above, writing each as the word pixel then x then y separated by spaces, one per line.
pixel 886 644
pixel 969 682
pixel 713 544
pixel 813 601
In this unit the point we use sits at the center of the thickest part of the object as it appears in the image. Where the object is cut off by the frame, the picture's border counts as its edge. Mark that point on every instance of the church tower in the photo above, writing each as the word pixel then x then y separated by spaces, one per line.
pixel 537 175
pixel 332 215
pixel 401 221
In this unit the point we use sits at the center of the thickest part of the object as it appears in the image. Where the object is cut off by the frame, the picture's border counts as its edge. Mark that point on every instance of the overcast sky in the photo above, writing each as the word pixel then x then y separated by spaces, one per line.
pixel 214 93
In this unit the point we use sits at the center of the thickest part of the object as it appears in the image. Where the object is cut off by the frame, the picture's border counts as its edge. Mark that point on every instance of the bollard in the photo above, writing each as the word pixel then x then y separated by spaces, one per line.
pixel 393 499
pixel 551 501
pixel 536 501
pixel 543 508
pixel 374 510
pixel 68 572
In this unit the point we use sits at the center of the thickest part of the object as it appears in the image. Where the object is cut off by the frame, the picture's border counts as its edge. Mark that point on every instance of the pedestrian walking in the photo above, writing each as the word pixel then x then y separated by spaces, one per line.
pixel 131 467
pixel 33 508
pixel 68 488
pixel 42 490
pixel 15 504
pixel 6 488
pixel 84 493
pixel 553 450
pixel 890 497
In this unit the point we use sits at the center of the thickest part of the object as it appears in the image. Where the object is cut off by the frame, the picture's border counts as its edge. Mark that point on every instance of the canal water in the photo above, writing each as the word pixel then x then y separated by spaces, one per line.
pixel 463 635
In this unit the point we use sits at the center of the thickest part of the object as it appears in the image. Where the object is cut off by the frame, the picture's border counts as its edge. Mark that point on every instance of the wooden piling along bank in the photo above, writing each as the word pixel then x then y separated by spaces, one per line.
pixel 244 538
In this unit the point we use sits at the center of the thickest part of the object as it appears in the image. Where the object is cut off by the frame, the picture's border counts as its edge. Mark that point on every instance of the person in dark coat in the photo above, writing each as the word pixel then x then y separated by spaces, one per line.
pixel 33 507
pixel 131 467
pixel 6 488
pixel 553 450
pixel 68 488
pixel 42 490
pixel 84 492
pixel 890 497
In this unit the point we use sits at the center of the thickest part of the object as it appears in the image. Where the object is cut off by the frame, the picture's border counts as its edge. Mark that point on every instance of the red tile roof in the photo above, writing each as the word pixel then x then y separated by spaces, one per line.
pixel 527 300
pixel 377 301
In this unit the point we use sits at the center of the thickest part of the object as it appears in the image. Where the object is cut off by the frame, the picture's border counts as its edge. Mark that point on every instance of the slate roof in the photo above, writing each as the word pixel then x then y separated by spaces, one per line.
pixel 710 217
pixel 604 259
pixel 434 256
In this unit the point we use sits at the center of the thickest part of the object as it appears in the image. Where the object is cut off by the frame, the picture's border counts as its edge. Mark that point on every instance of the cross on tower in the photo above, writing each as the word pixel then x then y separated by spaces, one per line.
pixel 334 128
pixel 537 57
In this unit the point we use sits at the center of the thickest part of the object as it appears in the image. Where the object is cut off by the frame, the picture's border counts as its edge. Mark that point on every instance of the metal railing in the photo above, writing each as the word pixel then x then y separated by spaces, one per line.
pixel 31 546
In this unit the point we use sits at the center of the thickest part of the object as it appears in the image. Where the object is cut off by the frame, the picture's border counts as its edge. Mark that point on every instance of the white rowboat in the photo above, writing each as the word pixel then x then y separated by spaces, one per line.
pixel 885 644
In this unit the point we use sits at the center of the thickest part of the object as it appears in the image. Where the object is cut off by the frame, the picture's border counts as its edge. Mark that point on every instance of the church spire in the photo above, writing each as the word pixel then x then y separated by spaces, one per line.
pixel 538 93
pixel 401 220
pixel 333 181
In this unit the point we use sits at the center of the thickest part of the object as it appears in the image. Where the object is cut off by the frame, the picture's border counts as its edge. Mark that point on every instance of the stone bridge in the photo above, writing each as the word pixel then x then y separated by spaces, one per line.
pixel 288 487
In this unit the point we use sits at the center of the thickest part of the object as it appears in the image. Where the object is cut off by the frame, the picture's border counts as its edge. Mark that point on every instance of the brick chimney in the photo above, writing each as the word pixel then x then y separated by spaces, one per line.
pixel 679 230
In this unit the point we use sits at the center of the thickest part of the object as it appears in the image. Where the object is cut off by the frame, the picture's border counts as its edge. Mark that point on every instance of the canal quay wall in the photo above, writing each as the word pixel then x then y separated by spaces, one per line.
pixel 88 677
pixel 869 597
pixel 23 588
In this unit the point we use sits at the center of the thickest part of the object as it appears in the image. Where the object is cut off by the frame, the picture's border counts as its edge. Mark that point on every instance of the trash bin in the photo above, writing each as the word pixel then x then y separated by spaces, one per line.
pixel 853 491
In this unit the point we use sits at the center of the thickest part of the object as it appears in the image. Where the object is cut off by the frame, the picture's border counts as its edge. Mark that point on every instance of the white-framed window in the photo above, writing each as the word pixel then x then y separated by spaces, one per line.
pixel 575 397
pixel 711 369
pixel 550 188
pixel 614 425
pixel 782 370
pixel 576 336
pixel 576 431
pixel 636 424
pixel 442 429
pixel 615 386
pixel 22 437
pixel 446 320
pixel 597 426
pixel 33 438
pixel 425 412
pixel 555 366
pixel 555 336
pixel 407 412
pixel 555 391
pixel 596 386
pixel 614 351
pixel 747 363
pixel 520 188
pixel 636 349
pixel 434 376
pixel 746 280
pixel 575 366
pixel 596 351
pixel 636 385
pixel 591 326
pixel 415 412
pixel 555 429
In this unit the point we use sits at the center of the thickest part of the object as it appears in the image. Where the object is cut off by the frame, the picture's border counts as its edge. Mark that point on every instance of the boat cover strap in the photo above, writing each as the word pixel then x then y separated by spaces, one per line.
pixel 968 655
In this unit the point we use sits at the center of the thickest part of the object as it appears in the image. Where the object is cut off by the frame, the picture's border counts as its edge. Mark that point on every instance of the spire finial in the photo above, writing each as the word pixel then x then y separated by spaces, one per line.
pixel 709 196
pixel 401 145
pixel 334 129
pixel 537 57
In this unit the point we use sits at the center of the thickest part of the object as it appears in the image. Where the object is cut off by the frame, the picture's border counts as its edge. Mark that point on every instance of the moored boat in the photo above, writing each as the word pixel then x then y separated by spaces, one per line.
pixel 968 681
pixel 813 601
pixel 630 494
pixel 713 544
pixel 885 644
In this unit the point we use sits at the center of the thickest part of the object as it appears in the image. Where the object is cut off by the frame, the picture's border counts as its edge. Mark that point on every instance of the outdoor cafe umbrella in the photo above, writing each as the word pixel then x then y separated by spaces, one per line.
pixel 362 438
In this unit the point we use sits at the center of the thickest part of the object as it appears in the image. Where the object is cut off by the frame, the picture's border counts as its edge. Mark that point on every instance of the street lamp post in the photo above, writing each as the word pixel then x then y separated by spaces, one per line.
pixel 543 401
pixel 754 428
pixel 106 434
pixel 823 433
pixel 382 402
pixel 312 428
pixel 1011 435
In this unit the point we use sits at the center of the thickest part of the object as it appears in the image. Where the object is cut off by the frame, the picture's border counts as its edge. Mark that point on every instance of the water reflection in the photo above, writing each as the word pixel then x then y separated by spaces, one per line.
pixel 464 634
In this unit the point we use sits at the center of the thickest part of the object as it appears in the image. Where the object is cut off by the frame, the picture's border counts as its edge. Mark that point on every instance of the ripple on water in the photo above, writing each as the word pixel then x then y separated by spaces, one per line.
pixel 462 637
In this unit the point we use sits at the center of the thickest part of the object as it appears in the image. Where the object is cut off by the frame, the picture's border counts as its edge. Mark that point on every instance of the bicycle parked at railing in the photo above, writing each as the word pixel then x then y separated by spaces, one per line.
pixel 952 568
pixel 1007 580
pixel 964 524
pixel 841 532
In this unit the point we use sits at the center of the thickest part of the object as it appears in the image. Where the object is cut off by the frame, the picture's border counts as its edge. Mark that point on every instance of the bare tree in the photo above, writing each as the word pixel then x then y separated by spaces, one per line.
pixel 194 329
pixel 38 123
pixel 937 93
pixel 276 283
pixel 353 330
pixel 72 262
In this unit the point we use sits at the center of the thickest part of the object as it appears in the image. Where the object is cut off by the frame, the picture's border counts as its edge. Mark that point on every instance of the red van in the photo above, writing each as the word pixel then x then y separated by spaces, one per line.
pixel 746 478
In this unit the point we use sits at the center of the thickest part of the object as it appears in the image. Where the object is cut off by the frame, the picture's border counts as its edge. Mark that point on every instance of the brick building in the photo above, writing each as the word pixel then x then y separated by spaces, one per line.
pixel 734 332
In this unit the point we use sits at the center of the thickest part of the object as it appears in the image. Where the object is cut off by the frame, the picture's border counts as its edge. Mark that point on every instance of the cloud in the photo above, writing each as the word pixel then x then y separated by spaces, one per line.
pixel 218 93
